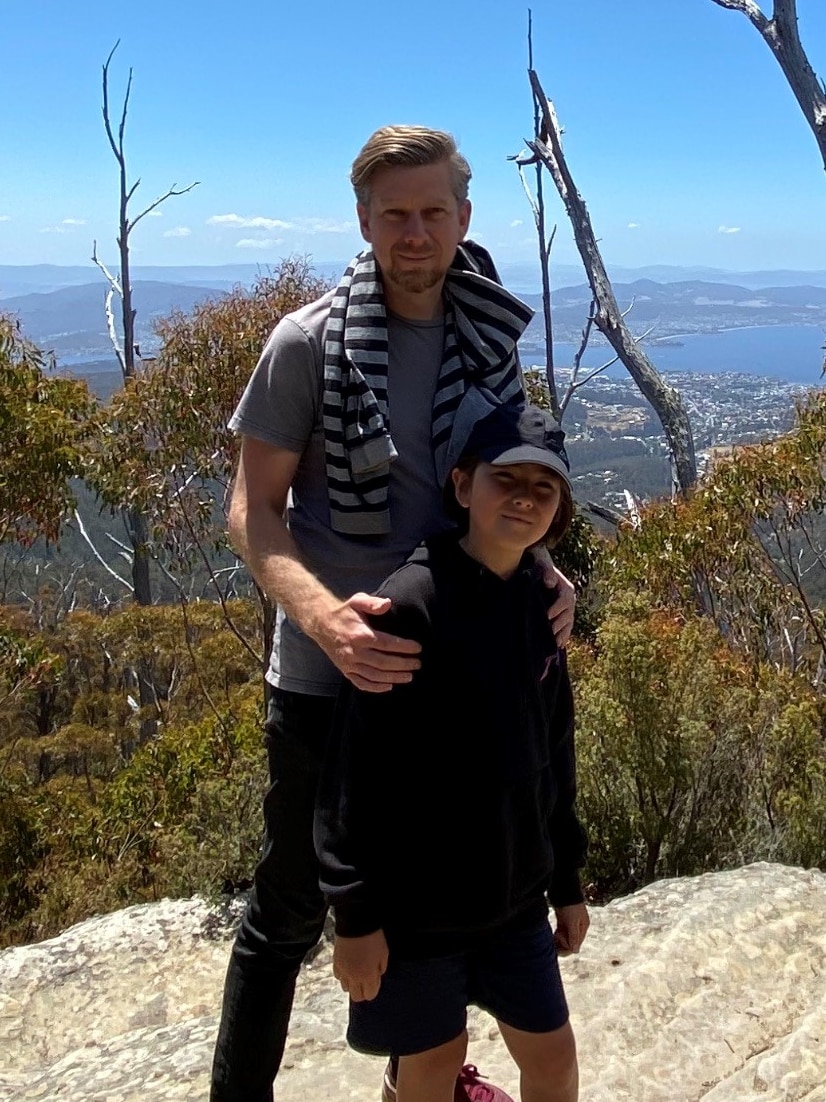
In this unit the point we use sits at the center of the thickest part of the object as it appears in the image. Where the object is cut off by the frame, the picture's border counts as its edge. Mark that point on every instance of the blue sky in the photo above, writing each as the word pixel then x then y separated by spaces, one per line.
pixel 681 132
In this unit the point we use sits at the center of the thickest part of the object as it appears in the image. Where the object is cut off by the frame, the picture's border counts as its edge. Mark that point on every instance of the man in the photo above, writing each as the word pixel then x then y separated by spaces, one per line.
pixel 350 411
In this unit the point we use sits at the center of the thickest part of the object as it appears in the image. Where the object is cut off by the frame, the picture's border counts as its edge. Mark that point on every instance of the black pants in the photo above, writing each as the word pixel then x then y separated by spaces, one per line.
pixel 285 915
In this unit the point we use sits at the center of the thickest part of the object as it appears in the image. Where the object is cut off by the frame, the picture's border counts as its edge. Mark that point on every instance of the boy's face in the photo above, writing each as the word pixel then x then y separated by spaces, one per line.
pixel 510 508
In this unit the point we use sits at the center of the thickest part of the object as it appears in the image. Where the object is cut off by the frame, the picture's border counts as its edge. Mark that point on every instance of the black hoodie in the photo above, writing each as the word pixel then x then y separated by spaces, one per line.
pixel 446 805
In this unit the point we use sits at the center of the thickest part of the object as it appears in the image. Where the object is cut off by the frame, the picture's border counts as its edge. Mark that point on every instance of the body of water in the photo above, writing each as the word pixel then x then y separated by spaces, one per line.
pixel 793 353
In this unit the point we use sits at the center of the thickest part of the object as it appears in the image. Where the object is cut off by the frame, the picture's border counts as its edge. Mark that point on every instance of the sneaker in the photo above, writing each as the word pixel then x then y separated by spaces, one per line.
pixel 469 1086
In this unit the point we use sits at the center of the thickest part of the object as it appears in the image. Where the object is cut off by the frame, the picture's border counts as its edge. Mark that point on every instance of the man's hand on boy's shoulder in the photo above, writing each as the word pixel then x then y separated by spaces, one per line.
pixel 571 927
pixel 374 661
pixel 359 964
pixel 561 612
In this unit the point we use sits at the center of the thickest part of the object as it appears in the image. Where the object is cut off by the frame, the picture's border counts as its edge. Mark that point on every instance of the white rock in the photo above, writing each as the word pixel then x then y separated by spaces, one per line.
pixel 711 988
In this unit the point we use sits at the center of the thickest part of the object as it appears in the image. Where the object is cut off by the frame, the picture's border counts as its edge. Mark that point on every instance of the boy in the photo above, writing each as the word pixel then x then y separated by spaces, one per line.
pixel 445 811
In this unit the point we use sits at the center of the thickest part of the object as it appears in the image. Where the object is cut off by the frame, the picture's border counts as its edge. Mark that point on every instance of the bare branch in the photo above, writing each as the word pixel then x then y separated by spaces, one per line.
pixel 613 516
pixel 122 127
pixel 114 287
pixel 133 189
pixel 216 585
pixel 98 555
pixel 106 120
pixel 167 195
pixel 781 35
pixel 666 401
pixel 748 8
pixel 115 282
pixel 528 196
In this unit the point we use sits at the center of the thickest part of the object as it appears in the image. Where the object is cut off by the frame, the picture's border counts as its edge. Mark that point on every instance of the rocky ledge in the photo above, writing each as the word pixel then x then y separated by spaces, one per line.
pixel 709 988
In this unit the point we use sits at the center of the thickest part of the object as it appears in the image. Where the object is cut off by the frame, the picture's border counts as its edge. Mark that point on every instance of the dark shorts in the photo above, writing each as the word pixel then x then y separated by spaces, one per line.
pixel 421 1004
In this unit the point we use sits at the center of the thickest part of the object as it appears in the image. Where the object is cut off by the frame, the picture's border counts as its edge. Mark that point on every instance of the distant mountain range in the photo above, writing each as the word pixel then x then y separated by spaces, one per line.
pixel 690 306
pixel 70 321
pixel 521 277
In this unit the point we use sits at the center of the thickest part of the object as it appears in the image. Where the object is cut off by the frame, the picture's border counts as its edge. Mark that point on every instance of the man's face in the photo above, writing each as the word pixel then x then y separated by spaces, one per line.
pixel 414 223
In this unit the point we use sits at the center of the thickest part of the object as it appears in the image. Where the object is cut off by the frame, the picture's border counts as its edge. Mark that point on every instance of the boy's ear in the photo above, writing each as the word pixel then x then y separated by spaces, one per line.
pixel 461 486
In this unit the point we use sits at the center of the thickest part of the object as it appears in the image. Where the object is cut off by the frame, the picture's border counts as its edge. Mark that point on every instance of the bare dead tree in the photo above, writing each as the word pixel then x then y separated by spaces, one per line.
pixel 120 284
pixel 545 241
pixel 546 149
pixel 781 35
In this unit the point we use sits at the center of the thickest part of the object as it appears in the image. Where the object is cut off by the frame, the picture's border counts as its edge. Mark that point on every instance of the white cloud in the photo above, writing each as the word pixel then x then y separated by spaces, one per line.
pixel 178 231
pixel 154 214
pixel 5 218
pixel 516 222
pixel 728 229
pixel 633 225
pixel 323 225
pixel 66 226
pixel 299 225
pixel 259 242
pixel 256 223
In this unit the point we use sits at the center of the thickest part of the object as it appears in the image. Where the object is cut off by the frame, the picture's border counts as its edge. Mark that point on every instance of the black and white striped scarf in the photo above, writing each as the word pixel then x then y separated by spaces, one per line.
pixel 483 322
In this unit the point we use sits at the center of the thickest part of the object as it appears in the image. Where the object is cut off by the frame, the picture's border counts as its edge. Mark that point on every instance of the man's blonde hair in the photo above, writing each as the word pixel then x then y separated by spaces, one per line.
pixel 409 146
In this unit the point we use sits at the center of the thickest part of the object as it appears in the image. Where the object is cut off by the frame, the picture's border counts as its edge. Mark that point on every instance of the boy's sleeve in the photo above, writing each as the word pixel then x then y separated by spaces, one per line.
pixel 354 815
pixel 570 843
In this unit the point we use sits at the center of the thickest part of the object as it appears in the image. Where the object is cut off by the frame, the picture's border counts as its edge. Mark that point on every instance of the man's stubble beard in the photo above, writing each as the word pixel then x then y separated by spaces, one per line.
pixel 415 281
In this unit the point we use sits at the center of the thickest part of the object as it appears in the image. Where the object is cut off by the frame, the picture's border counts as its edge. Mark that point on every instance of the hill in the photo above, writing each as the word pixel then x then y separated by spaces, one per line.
pixel 675 309
pixel 71 322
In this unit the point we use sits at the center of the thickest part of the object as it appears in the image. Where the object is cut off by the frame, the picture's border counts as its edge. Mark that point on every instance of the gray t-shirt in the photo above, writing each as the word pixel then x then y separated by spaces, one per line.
pixel 282 405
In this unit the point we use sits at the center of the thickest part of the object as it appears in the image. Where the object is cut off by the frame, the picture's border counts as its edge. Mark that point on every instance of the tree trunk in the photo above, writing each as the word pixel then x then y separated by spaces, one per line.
pixel 781 35
pixel 665 400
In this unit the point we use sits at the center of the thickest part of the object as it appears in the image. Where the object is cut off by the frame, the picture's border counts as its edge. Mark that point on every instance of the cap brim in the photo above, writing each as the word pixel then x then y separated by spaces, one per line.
pixel 529 454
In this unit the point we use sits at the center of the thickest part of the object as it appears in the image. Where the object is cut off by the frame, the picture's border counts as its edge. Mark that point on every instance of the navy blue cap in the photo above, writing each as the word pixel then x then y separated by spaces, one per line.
pixel 517 433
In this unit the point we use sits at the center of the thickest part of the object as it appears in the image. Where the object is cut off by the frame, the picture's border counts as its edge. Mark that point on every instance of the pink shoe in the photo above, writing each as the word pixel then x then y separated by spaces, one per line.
pixel 470 1088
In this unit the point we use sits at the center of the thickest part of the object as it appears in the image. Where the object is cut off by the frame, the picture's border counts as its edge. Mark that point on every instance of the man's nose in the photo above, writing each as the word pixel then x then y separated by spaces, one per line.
pixel 414 228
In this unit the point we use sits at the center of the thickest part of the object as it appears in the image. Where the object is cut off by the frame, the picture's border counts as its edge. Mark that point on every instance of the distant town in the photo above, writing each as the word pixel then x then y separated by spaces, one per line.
pixel 616 443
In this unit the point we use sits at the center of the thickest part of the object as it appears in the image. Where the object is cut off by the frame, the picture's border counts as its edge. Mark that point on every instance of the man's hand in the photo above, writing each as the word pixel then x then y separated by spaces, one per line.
pixel 561 612
pixel 372 660
pixel 571 927
pixel 359 964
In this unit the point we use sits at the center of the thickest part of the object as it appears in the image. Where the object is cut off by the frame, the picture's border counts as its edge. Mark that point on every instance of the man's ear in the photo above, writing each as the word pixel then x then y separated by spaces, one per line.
pixel 364 221
pixel 465 211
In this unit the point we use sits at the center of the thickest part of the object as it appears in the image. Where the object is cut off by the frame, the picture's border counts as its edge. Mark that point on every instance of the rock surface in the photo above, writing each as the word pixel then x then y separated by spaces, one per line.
pixel 710 988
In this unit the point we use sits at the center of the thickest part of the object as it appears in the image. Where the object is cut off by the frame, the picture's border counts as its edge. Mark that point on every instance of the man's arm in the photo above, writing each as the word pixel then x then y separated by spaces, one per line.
pixel 374 661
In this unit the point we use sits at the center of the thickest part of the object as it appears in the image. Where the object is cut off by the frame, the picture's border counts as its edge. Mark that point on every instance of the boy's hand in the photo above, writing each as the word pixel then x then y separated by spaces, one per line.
pixel 359 964
pixel 571 927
